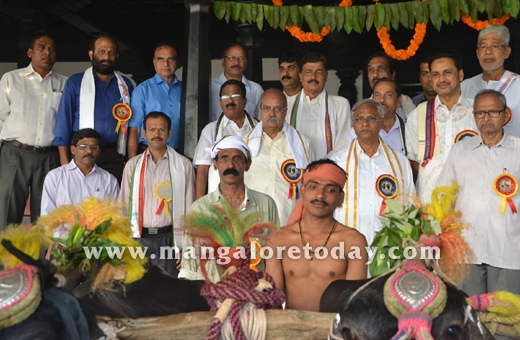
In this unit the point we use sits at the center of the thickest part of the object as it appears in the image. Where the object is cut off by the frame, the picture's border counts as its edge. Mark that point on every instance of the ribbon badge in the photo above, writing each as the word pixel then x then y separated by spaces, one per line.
pixel 292 175
pixel 163 192
pixel 465 134
pixel 122 113
pixel 256 249
pixel 386 187
pixel 506 186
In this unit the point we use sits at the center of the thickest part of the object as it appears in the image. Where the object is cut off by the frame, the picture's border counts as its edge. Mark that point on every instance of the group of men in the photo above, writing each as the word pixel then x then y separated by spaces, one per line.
pixel 300 155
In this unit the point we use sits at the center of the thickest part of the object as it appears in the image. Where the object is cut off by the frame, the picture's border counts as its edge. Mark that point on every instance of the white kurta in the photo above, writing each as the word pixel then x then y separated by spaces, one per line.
pixel 471 86
pixel 265 174
pixel 367 202
pixel 493 236
pixel 290 102
pixel 448 124
pixel 313 116
pixel 207 137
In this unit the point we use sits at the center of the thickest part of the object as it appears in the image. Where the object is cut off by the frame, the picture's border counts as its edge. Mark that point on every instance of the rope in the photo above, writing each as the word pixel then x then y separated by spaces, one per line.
pixel 231 295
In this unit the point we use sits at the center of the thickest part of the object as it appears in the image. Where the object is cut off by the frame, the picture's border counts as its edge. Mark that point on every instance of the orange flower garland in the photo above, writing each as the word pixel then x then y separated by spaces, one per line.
pixel 303 36
pixel 345 3
pixel 299 34
pixel 480 24
pixel 386 42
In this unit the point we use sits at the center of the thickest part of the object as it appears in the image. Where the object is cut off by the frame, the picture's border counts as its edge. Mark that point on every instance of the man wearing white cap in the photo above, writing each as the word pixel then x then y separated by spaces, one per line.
pixel 280 154
pixel 231 158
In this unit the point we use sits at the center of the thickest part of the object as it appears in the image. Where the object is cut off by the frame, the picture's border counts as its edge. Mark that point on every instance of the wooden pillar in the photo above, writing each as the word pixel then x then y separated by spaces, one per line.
pixel 195 75
pixel 249 36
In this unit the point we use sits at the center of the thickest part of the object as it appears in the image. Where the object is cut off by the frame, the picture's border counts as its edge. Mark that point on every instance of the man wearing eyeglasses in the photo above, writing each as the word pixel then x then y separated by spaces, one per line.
pixel 487 168
pixel 161 93
pixel 436 125
pixel 388 93
pixel 492 51
pixel 375 172
pixel 279 154
pixel 234 63
pixel 322 117
pixel 233 121
pixel 81 178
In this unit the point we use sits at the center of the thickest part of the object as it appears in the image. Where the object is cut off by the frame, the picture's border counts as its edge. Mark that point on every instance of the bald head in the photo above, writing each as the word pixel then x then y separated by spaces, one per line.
pixel 273 109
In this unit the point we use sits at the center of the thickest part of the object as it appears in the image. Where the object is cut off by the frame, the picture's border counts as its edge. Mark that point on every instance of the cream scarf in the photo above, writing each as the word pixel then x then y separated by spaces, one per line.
pixel 87 102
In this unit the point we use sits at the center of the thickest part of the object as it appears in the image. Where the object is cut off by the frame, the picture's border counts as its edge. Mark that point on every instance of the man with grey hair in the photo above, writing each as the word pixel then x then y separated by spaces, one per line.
pixel 375 172
pixel 279 154
pixel 492 50
pixel 487 168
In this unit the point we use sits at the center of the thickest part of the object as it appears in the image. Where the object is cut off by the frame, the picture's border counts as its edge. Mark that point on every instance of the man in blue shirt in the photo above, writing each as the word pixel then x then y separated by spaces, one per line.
pixel 161 93
pixel 98 89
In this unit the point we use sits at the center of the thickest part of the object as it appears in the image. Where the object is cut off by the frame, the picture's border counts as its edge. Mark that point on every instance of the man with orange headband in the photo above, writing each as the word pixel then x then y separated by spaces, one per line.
pixel 315 249
pixel 376 172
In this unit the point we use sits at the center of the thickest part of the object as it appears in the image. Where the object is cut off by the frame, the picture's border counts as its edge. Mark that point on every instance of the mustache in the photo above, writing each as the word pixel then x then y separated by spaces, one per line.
pixel 88 156
pixel 320 201
pixel 107 61
pixel 273 118
pixel 236 66
pixel 230 171
pixel 286 77
pixel 313 80
pixel 157 138
pixel 231 104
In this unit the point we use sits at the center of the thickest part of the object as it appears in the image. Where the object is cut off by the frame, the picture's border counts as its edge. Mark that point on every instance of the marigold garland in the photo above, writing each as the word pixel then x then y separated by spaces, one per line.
pixel 299 34
pixel 345 3
pixel 386 42
pixel 480 24
pixel 303 36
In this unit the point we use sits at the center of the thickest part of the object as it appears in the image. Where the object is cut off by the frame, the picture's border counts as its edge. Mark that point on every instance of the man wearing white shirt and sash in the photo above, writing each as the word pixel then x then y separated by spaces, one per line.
pixel 436 125
pixel 289 73
pixel 324 118
pixel 279 154
pixel 487 168
pixel 29 99
pixel 158 189
pixel 375 172
pixel 492 50
pixel 233 121
pixel 99 99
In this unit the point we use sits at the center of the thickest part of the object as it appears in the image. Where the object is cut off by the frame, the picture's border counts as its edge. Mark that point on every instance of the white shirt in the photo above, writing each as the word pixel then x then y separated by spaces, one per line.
pixel 290 101
pixel 67 185
pixel 28 106
pixel 314 114
pixel 471 86
pixel 368 200
pixel 253 94
pixel 207 137
pixel 393 138
pixel 493 236
pixel 448 124
pixel 265 173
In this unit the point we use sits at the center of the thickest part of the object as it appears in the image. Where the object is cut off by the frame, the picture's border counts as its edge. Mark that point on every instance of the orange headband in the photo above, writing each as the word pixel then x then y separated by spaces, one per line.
pixel 328 171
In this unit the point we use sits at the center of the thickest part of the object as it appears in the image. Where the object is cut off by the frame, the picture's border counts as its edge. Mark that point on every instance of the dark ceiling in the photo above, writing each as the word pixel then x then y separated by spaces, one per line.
pixel 138 25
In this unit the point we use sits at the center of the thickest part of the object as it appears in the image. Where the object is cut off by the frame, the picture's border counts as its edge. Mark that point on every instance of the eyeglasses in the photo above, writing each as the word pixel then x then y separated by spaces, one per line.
pixel 493 47
pixel 370 120
pixel 233 97
pixel 277 109
pixel 84 147
pixel 491 113
pixel 234 58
